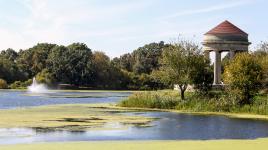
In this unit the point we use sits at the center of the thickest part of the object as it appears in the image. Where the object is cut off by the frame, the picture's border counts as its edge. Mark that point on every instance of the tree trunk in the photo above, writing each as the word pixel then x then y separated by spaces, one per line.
pixel 183 89
pixel 182 95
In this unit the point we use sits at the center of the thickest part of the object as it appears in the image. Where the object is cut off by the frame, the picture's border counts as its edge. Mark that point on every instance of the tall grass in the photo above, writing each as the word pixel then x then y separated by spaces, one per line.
pixel 152 99
pixel 216 102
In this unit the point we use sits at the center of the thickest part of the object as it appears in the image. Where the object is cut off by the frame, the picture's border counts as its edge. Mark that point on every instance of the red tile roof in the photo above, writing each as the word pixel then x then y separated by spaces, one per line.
pixel 226 27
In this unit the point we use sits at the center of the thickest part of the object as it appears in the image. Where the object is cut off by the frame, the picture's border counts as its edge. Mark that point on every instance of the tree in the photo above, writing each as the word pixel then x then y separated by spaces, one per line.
pixel 179 61
pixel 145 59
pixel 45 77
pixel 3 84
pixel 33 60
pixel 264 64
pixel 243 76
pixel 202 76
pixel 58 63
pixel 9 54
pixel 124 62
pixel 262 54
pixel 262 49
pixel 72 64
pixel 101 69
pixel 9 71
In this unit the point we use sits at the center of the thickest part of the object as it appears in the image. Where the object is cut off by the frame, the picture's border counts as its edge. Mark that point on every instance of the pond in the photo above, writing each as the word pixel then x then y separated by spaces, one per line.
pixel 167 126
pixel 14 99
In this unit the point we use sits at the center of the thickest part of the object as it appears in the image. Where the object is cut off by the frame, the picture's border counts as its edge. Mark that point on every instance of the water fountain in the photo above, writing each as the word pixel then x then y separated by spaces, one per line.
pixel 35 87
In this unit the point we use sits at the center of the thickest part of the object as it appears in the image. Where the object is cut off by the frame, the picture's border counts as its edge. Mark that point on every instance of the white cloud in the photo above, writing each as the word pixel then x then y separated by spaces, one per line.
pixel 59 22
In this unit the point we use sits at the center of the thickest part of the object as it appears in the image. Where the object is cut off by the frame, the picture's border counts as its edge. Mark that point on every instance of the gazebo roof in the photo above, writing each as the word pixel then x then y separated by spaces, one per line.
pixel 226 27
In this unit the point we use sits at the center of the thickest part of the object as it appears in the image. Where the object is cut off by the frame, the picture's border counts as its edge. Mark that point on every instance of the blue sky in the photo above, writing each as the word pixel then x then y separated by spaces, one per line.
pixel 120 26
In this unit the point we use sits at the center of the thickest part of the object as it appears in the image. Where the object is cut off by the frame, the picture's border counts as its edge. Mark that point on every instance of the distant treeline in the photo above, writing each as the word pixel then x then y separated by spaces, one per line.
pixel 79 66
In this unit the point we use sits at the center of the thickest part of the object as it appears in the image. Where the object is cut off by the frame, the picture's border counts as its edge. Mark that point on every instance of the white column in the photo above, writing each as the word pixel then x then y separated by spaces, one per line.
pixel 217 68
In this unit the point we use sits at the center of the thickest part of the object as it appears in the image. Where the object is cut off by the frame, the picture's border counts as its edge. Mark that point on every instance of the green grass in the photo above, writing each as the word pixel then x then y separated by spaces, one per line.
pixel 152 99
pixel 215 102
pixel 258 144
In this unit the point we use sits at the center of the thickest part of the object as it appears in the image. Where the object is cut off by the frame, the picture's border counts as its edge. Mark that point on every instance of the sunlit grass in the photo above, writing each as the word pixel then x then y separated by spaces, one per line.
pixel 258 144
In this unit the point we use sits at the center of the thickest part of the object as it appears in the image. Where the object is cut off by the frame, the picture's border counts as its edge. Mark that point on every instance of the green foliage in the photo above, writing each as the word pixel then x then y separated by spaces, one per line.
pixel 153 99
pixel 9 54
pixel 33 60
pixel 243 76
pixel 217 101
pixel 264 64
pixel 180 61
pixel 143 60
pixel 45 77
pixel 142 81
pixel 3 84
pixel 9 70
pixel 72 64
pixel 202 75
pixel 102 70
pixel 21 84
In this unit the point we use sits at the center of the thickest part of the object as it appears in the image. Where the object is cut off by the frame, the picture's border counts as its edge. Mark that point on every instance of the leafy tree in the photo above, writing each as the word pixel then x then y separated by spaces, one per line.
pixel 202 76
pixel 146 58
pixel 80 64
pixel 33 60
pixel 125 62
pixel 179 62
pixel 243 75
pixel 9 70
pixel 9 54
pixel 142 60
pixel 72 64
pixel 101 69
pixel 58 63
pixel 262 54
pixel 3 84
pixel 45 77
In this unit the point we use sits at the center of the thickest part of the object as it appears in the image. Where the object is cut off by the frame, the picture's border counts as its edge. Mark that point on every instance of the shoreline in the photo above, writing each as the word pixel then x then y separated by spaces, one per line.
pixel 227 114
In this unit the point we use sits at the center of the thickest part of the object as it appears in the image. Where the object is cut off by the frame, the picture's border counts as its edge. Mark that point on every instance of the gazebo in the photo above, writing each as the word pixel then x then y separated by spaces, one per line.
pixel 225 37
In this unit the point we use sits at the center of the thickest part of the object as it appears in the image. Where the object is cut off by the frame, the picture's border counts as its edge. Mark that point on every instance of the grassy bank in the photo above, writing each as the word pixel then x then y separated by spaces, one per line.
pixel 259 144
pixel 219 102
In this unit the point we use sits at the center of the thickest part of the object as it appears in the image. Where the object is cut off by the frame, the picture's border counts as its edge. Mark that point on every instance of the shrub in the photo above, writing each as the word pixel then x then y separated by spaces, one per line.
pixel 243 76
pixel 21 84
pixel 3 84
pixel 45 77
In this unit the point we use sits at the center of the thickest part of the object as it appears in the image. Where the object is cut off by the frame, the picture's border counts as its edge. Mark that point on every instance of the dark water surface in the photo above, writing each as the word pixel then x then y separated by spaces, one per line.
pixel 169 126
